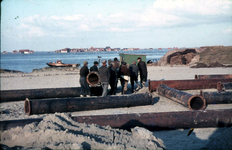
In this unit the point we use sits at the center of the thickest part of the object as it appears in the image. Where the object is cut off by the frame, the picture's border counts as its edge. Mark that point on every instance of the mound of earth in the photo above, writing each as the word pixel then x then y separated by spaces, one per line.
pixel 211 56
pixel 177 57
pixel 58 131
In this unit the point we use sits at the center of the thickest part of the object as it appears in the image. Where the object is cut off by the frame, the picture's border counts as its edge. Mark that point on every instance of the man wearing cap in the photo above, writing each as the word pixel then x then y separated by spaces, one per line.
pixel 84 85
pixel 104 77
pixel 143 71
pixel 124 74
pixel 94 67
pixel 134 75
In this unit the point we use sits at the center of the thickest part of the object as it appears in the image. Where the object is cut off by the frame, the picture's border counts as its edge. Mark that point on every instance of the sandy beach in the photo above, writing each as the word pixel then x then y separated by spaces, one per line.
pixel 173 139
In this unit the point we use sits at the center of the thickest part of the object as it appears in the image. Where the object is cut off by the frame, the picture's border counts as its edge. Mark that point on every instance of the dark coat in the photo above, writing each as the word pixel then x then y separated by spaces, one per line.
pixel 94 68
pixel 142 68
pixel 84 71
pixel 123 70
pixel 104 74
pixel 133 70
pixel 117 64
pixel 113 74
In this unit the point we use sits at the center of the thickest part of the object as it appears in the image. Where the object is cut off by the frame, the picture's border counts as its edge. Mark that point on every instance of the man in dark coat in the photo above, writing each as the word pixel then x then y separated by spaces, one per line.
pixel 113 78
pixel 143 71
pixel 84 85
pixel 94 67
pixel 134 75
pixel 124 74
pixel 104 77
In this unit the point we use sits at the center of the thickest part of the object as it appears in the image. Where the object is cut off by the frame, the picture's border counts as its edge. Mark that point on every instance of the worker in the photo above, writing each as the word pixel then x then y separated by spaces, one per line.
pixel 104 77
pixel 84 85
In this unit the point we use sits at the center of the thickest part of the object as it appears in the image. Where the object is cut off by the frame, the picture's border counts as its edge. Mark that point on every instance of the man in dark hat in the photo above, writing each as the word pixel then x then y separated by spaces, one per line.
pixel 143 71
pixel 84 85
pixel 94 67
pixel 134 75
pixel 116 62
pixel 124 74
pixel 113 78
pixel 104 77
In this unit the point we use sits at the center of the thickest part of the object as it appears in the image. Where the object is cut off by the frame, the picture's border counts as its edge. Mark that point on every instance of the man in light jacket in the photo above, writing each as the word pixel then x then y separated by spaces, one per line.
pixel 104 77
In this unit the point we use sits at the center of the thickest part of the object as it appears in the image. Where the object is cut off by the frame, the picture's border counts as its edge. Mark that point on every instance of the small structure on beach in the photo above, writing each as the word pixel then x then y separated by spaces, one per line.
pixel 129 58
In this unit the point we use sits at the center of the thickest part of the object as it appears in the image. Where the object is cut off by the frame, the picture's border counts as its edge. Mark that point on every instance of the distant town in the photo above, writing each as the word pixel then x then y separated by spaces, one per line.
pixel 92 49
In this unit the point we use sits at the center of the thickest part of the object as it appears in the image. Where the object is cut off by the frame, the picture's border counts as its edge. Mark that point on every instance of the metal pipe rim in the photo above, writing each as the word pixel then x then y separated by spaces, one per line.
pixel 94 75
pixel 27 107
pixel 196 102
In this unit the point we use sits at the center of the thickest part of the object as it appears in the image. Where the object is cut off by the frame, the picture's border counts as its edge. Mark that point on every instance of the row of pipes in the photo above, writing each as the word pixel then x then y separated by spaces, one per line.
pixel 39 101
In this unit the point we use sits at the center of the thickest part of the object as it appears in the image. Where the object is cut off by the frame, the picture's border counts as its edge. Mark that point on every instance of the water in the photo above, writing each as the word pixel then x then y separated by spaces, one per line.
pixel 28 62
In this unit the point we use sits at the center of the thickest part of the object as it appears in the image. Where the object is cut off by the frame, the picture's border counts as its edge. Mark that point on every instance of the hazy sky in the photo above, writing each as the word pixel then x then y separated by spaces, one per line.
pixel 48 25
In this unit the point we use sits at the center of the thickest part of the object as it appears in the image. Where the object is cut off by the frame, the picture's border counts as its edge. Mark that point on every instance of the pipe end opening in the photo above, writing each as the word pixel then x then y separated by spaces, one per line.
pixel 93 78
pixel 197 103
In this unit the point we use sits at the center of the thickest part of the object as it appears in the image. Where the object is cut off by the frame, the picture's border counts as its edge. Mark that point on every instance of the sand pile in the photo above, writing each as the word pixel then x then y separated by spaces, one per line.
pixel 58 131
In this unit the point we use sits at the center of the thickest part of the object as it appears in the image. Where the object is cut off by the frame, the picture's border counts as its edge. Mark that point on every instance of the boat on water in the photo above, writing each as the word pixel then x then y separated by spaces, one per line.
pixel 59 63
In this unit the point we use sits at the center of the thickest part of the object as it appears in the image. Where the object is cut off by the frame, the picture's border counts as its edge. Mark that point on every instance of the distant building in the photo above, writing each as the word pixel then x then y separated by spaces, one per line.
pixel 4 52
pixel 15 52
pixel 26 51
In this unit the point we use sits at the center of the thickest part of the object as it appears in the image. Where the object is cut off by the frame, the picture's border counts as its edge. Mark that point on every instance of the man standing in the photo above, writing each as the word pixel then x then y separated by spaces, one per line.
pixel 143 71
pixel 124 74
pixel 104 76
pixel 94 67
pixel 84 85
pixel 113 78
pixel 134 75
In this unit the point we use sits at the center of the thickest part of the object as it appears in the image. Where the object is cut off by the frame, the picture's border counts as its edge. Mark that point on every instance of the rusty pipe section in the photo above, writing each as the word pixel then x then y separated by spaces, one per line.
pixel 187 84
pixel 86 103
pixel 21 95
pixel 8 124
pixel 193 102
pixel 214 76
pixel 217 97
pixel 93 78
pixel 224 86
pixel 162 120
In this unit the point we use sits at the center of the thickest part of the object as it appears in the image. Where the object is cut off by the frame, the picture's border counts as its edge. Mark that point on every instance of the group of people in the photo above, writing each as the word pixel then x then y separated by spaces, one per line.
pixel 111 74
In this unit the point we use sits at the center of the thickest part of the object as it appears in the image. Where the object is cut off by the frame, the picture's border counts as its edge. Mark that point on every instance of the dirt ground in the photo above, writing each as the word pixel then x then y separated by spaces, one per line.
pixel 74 135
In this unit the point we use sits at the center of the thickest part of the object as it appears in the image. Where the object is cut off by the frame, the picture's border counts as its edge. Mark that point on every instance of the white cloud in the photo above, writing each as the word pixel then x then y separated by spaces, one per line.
pixel 228 30
pixel 163 13
pixel 186 13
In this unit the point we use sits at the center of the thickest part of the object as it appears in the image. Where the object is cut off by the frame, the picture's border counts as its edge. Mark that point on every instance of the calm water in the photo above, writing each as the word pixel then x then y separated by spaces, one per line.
pixel 28 62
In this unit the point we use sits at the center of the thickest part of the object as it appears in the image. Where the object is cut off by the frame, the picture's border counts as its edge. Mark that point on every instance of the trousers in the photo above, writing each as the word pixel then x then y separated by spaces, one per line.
pixel 84 86
pixel 105 88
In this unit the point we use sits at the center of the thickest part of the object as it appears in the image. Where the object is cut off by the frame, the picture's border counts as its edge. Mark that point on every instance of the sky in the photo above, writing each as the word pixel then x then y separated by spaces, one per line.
pixel 49 25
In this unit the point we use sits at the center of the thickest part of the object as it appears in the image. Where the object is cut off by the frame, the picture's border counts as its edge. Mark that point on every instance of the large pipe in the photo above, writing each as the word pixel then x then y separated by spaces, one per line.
pixel 93 78
pixel 8 124
pixel 215 76
pixel 224 86
pixel 217 97
pixel 187 84
pixel 19 95
pixel 162 120
pixel 193 102
pixel 151 121
pixel 86 103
